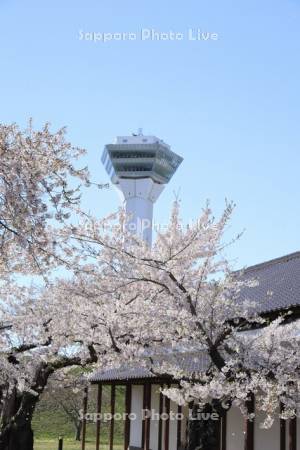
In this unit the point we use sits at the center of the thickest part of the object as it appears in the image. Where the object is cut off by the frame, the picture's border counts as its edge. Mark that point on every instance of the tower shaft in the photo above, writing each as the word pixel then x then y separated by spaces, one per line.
pixel 140 196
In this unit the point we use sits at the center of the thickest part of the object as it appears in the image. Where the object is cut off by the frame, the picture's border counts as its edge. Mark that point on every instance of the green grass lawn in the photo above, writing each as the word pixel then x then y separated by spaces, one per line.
pixel 50 422
pixel 70 445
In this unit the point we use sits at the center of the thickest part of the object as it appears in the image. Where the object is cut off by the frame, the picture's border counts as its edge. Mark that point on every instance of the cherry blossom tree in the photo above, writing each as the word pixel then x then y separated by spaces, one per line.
pixel 46 325
pixel 39 190
pixel 51 329
pixel 38 343
pixel 126 302
pixel 182 295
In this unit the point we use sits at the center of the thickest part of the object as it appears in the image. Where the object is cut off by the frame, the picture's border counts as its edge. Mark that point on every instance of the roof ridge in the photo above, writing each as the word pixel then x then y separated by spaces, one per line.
pixel 280 259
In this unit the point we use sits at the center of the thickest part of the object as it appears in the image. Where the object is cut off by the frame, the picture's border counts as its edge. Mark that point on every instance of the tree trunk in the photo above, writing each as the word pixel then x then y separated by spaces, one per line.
pixel 17 412
pixel 16 432
pixel 78 431
pixel 18 408
pixel 21 438
pixel 205 426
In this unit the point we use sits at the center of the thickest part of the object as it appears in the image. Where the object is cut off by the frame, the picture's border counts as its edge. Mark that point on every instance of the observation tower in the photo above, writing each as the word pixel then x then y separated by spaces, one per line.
pixel 140 167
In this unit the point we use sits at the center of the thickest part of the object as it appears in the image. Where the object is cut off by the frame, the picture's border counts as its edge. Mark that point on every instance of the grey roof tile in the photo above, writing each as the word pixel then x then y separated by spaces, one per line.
pixel 121 373
pixel 278 283
pixel 196 362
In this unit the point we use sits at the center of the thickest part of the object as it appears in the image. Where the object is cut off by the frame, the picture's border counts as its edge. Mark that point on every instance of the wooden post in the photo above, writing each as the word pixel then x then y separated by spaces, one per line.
pixel 167 424
pixel 218 431
pixel 293 434
pixel 112 410
pixel 98 424
pixel 143 419
pixel 249 425
pixel 224 432
pixel 188 424
pixel 160 423
pixel 179 425
pixel 60 443
pixel 282 431
pixel 127 412
pixel 148 419
pixel 85 404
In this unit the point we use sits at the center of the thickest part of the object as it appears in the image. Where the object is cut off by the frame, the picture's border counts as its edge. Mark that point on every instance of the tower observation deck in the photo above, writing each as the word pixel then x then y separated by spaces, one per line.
pixel 140 167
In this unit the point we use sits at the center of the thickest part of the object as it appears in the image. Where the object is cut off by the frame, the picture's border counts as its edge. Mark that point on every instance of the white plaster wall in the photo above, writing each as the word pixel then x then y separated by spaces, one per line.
pixel 173 427
pixel 154 423
pixel 185 412
pixel 235 431
pixel 136 408
pixel 266 439
pixel 263 439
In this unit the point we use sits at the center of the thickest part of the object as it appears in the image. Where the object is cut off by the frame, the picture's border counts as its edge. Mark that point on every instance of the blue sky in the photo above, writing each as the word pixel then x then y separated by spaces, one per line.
pixel 230 107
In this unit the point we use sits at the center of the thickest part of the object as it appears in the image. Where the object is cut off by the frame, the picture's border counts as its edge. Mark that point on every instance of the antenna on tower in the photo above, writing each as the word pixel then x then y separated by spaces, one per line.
pixel 139 132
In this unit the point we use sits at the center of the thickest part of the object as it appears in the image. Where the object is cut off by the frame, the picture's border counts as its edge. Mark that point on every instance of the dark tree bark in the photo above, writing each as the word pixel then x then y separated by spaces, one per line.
pixel 15 430
pixel 204 427
pixel 78 431
pixel 21 438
